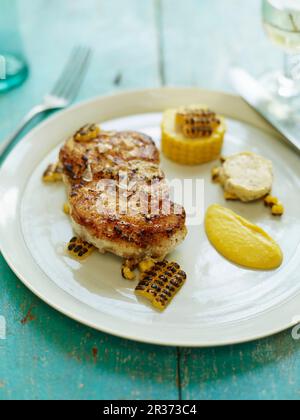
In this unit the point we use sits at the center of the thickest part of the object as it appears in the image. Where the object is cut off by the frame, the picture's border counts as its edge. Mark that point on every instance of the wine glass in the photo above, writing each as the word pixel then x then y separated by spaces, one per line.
pixel 13 66
pixel 281 20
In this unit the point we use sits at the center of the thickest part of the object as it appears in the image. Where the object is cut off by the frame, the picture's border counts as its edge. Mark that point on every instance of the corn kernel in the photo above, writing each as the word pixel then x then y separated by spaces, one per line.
pixel 54 173
pixel 127 273
pixel 271 201
pixel 66 209
pixel 146 265
pixel 278 209
pixel 230 196
pixel 215 174
pixel 87 133
pixel 79 249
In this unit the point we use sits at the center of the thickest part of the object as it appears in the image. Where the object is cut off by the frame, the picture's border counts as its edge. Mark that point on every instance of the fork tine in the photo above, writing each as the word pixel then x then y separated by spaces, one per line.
pixel 65 73
pixel 73 70
pixel 71 88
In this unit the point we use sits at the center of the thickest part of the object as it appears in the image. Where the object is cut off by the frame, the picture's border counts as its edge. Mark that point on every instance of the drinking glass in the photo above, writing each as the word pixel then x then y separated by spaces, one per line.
pixel 13 66
pixel 281 20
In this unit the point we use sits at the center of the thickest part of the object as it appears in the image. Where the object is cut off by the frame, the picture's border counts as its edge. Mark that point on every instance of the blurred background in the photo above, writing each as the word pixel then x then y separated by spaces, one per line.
pixel 138 44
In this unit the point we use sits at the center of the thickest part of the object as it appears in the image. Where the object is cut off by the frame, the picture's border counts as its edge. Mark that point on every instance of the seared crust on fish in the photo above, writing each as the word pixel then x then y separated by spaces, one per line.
pixel 142 221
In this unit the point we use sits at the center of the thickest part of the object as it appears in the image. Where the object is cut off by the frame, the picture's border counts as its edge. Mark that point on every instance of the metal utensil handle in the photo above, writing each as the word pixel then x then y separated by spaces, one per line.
pixel 39 109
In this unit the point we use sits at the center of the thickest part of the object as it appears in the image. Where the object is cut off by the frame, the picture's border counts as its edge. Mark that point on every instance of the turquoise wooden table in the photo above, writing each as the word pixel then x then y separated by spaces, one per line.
pixel 150 43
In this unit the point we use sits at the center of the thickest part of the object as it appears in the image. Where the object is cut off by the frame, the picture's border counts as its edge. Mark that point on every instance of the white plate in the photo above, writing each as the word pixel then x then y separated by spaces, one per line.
pixel 221 303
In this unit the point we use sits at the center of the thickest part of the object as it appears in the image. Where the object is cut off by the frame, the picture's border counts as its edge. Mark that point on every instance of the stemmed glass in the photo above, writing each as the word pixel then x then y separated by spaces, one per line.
pixel 281 20
pixel 13 66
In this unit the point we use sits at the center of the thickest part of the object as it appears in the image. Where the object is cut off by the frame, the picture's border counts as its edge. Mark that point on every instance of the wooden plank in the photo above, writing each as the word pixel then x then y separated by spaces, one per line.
pixel 264 370
pixel 201 41
pixel 46 355
pixel 124 46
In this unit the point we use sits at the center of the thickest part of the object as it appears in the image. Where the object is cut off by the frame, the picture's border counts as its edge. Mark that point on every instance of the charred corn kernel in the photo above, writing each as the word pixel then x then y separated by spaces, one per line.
pixel 146 265
pixel 128 268
pixel 230 197
pixel 127 273
pixel 66 209
pixel 131 263
pixel 189 145
pixel 200 122
pixel 193 132
pixel 193 114
pixel 196 123
pixel 79 249
pixel 161 283
pixel 278 210
pixel 53 173
pixel 215 174
pixel 271 201
pixel 87 133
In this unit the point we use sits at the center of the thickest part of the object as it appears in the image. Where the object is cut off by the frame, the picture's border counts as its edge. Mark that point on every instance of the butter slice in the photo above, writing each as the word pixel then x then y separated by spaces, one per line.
pixel 247 176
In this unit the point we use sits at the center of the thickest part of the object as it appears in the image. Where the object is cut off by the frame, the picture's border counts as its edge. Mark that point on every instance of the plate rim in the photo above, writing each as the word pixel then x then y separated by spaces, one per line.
pixel 260 123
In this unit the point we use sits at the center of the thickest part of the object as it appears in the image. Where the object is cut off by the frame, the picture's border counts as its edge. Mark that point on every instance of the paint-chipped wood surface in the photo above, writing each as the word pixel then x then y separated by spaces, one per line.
pixel 137 44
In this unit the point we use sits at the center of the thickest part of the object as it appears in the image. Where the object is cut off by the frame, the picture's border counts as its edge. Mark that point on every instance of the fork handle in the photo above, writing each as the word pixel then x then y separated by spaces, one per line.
pixel 37 110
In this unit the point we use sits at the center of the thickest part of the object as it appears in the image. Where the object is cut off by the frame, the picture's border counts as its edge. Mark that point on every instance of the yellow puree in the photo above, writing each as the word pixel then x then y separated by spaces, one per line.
pixel 240 241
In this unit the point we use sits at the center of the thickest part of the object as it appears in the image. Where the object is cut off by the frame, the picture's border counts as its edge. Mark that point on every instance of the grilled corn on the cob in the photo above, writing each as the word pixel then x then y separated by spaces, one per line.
pixel 161 283
pixel 80 249
pixel 192 135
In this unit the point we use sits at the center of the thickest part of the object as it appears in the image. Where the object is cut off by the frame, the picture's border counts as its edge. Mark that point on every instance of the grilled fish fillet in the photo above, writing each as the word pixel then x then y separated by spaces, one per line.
pixel 142 221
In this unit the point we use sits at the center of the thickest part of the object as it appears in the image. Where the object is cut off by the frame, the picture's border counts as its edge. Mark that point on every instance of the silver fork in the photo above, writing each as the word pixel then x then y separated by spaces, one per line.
pixel 63 93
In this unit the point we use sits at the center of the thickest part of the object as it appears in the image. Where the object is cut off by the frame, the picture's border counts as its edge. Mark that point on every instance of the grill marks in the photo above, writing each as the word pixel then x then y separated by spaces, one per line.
pixel 131 161
pixel 161 283
pixel 197 123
